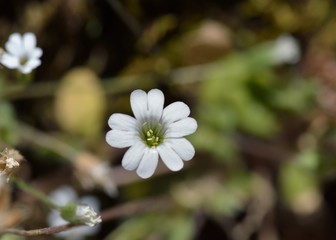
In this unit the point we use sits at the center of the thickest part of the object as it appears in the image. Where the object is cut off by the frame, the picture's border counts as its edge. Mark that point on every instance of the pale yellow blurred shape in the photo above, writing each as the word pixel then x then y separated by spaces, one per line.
pixel 208 42
pixel 80 104
pixel 307 203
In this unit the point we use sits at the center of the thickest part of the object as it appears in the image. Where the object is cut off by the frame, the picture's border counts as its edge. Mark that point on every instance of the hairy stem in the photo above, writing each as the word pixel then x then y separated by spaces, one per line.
pixel 33 191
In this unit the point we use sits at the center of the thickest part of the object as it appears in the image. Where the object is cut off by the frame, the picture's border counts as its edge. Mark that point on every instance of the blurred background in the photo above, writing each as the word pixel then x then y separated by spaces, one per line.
pixel 258 75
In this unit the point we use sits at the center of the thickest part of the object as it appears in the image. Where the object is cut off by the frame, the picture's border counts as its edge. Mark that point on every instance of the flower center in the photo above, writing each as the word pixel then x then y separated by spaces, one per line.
pixel 24 60
pixel 152 136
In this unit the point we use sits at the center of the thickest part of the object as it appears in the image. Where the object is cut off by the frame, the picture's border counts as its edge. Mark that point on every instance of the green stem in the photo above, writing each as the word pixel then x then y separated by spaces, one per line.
pixel 35 192
pixel 24 78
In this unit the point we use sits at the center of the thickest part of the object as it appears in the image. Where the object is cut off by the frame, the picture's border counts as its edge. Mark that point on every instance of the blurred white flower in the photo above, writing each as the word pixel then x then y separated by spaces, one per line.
pixel 92 171
pixel 21 53
pixel 65 195
pixel 286 50
pixel 152 133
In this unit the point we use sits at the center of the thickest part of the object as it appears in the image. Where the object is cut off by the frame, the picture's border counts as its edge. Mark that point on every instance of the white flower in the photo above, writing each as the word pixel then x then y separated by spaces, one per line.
pixel 286 50
pixel 152 133
pixel 21 53
pixel 65 195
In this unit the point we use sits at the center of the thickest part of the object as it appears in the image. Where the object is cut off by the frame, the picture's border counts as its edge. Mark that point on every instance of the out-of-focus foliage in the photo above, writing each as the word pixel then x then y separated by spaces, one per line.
pixel 299 182
pixel 265 145
pixel 214 194
pixel 170 226
pixel 11 237
pixel 242 93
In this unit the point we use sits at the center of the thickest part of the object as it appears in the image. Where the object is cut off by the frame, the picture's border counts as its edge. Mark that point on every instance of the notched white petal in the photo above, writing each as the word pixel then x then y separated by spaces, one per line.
pixel 121 121
pixel 133 156
pixel 148 163
pixel 15 38
pixel 170 158
pixel 36 53
pixel 139 104
pixel 182 147
pixel 29 41
pixel 33 63
pixel 174 112
pixel 155 104
pixel 181 128
pixel 13 48
pixel 9 61
pixel 25 69
pixel 120 139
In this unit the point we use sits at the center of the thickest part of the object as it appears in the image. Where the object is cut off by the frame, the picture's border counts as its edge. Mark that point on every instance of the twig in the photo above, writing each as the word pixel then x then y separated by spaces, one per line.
pixel 33 191
pixel 107 215
pixel 135 207
pixel 261 205
pixel 39 138
pixel 114 85
pixel 128 19
pixel 37 232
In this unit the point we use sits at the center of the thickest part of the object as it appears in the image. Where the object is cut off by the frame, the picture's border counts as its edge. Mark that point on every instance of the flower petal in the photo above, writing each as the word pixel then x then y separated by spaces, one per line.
pixel 29 66
pixel 123 122
pixel 29 41
pixel 16 38
pixel 13 48
pixel 33 63
pixel 155 104
pixel 139 104
pixel 174 112
pixel 170 158
pixel 133 156
pixel 182 147
pixel 148 163
pixel 120 139
pixel 36 53
pixel 181 128
pixel 9 61
pixel 25 69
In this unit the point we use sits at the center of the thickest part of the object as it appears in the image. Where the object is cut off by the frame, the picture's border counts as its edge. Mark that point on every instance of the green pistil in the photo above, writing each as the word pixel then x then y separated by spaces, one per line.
pixel 152 136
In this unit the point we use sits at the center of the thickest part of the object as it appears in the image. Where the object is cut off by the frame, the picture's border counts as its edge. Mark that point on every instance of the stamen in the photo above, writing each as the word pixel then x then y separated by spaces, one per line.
pixel 24 60
pixel 152 137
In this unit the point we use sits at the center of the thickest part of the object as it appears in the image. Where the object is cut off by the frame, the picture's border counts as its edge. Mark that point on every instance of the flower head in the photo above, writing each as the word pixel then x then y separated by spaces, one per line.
pixel 21 53
pixel 84 212
pixel 9 160
pixel 152 133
